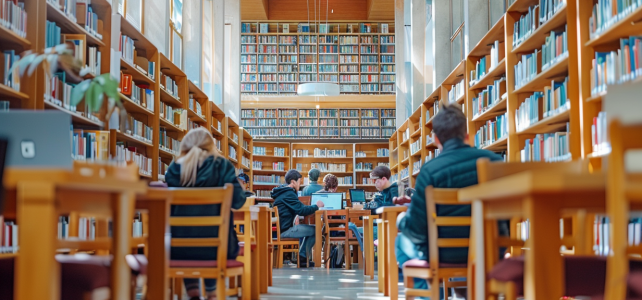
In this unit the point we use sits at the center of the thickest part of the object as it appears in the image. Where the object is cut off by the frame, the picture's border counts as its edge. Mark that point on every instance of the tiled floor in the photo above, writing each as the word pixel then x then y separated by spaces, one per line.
pixel 317 284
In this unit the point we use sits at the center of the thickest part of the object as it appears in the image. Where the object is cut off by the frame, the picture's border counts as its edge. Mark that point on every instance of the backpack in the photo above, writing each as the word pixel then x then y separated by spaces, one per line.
pixel 336 257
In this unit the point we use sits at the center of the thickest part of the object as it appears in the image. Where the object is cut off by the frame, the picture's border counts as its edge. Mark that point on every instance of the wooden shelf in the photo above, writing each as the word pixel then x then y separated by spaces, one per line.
pixel 11 40
pixel 166 154
pixel 596 98
pixel 456 75
pixel 67 25
pixel 498 109
pixel 140 40
pixel 626 27
pixel 232 142
pixel 195 117
pixel 169 126
pixel 216 133
pixel 169 68
pixel 268 171
pixel 270 156
pixel 7 92
pixel 75 116
pixel 137 75
pixel 550 124
pixel 496 33
pixel 121 136
pixel 431 145
pixel 132 106
pixel 8 255
pixel 170 99
pixel 538 38
pixel 544 78
pixel 490 77
pixel 193 89
pixel 521 5
pixel 498 145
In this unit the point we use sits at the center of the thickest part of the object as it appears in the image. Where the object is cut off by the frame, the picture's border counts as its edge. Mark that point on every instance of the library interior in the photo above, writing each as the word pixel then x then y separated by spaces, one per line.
pixel 362 149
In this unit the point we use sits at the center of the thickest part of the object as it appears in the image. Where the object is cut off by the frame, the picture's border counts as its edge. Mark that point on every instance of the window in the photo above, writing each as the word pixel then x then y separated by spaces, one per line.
pixel 176 26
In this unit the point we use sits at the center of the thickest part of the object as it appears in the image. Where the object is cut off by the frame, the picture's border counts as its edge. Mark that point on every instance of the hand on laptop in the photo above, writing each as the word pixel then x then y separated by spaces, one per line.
pixel 320 204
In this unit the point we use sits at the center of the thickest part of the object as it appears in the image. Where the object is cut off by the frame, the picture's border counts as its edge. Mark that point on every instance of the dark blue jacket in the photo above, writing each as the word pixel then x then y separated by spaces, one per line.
pixel 455 167
pixel 286 199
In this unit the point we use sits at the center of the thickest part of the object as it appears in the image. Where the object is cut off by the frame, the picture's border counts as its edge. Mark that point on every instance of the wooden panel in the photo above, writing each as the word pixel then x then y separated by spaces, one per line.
pixel 337 10
pixel 254 9
pixel 381 9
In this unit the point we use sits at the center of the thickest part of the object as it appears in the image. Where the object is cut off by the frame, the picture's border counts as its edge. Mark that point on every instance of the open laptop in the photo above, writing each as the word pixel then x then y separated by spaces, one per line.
pixel 357 196
pixel 37 139
pixel 330 200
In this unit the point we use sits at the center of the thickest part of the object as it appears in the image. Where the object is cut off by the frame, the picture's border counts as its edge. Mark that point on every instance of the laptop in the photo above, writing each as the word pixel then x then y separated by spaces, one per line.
pixel 357 196
pixel 37 139
pixel 330 200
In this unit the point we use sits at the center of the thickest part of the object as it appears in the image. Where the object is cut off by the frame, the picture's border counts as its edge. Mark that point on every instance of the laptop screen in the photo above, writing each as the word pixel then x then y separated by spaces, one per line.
pixel 357 196
pixel 330 200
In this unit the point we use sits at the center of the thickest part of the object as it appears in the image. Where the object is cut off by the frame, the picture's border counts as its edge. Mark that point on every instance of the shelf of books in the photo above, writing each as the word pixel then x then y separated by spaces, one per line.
pixel 429 108
pixel 246 153
pixel 232 141
pixel 609 46
pixel 336 159
pixel 368 156
pixel 416 149
pixel 393 147
pixel 318 123
pixel 270 162
pixel 541 82
pixel 217 123
pixel 277 56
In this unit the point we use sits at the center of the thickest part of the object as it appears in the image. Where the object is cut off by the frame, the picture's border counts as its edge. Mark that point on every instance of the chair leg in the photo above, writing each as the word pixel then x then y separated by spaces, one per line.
pixel 434 287
pixel 346 254
pixel 279 258
pixel 178 287
pixel 202 284
pixel 246 286
pixel 409 283
pixel 220 288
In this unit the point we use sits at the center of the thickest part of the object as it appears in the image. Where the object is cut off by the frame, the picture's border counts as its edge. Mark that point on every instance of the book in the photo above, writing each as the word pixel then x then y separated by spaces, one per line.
pixel 384 28
pixel 286 28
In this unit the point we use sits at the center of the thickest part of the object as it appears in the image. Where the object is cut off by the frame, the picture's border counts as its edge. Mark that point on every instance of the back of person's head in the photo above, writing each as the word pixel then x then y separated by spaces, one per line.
pixel 314 174
pixel 244 177
pixel 449 123
pixel 330 182
pixel 196 146
pixel 380 172
pixel 292 175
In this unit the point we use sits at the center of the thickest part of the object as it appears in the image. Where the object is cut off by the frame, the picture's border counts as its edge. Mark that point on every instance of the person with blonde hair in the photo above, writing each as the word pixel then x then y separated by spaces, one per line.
pixel 200 165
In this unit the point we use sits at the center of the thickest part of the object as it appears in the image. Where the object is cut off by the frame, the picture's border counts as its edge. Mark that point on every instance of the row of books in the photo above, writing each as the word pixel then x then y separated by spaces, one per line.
pixel 328 68
pixel 526 25
pixel 257 165
pixel 393 178
pixel 169 85
pixel 548 147
pixel 284 68
pixel 404 173
pixel 608 12
pixel 248 59
pixel 349 132
pixel 490 96
pixel 89 145
pixel 370 132
pixel 131 154
pixel 527 68
pixel 142 96
pixel 618 66
pixel 600 134
pixel 248 39
pixel 456 92
pixel 488 62
pixel 554 48
pixel 528 112
pixel 349 59
pixel 258 113
pixel 346 180
pixel 245 161
pixel 266 49
pixel 232 153
pixel 168 143
pixel 14 17
pixel 416 167
pixel 287 59
pixel 318 152
pixel 328 122
pixel 269 179
pixel 287 122
pixel 53 34
pixel 415 146
pixel 135 128
pixel 363 166
pixel 170 113
pixel 492 131
pixel 93 25
pixel 258 122
pixel 8 236
pixel 328 167
pixel 94 61
pixel 195 106
pixel 555 98
pixel 11 79
pixel 370 122
pixel 58 91
pixel 273 132
pixel 387 59
pixel 387 68
pixel 263 193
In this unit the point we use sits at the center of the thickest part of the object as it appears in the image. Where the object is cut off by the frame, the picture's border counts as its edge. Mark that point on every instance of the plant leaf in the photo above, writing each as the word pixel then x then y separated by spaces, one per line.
pixel 94 97
pixel 35 63
pixel 22 64
pixel 53 63
pixel 78 92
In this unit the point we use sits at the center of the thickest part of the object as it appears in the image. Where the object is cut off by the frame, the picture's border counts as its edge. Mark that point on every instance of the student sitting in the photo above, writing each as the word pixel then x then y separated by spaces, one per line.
pixel 455 167
pixel 313 187
pixel 244 180
pixel 286 199
pixel 388 190
pixel 199 165
pixel 330 185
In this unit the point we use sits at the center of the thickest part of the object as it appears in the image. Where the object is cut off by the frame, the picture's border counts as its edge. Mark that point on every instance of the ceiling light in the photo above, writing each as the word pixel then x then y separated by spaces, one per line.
pixel 318 89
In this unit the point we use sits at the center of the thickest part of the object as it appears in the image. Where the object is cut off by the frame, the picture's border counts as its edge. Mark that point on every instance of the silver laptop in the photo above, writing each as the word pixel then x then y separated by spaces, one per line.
pixel 37 139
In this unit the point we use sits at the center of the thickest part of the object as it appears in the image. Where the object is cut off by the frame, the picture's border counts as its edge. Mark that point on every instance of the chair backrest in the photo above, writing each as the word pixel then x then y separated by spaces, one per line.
pixel 487 170
pixel 305 200
pixel 204 196
pixel 276 221
pixel 334 218
pixel 436 197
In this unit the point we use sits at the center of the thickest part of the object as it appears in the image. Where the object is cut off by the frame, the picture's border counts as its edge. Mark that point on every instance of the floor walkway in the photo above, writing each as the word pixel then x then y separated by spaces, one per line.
pixel 317 284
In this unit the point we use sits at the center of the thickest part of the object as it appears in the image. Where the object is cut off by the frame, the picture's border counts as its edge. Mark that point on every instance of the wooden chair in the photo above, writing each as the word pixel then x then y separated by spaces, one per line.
pixel 246 238
pixel 337 221
pixel 624 193
pixel 283 245
pixel 492 242
pixel 221 268
pixel 433 271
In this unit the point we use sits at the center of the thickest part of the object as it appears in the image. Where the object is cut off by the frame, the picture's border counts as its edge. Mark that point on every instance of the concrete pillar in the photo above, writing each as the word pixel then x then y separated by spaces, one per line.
pixel 232 44
pixel 418 51
pixel 218 51
pixel 475 14
pixel 441 46
pixel 429 58
pixel 404 101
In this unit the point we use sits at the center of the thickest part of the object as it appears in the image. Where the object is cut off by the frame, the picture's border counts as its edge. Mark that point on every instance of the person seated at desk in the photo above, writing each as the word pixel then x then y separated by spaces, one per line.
pixel 388 190
pixel 199 165
pixel 314 186
pixel 455 167
pixel 244 180
pixel 330 185
pixel 286 199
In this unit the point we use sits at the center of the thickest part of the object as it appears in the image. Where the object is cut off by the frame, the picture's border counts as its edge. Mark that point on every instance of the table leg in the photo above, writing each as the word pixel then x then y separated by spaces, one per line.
pixel 393 273
pixel 477 286
pixel 158 244
pixel 381 251
pixel 123 214
pixel 367 245
pixel 255 277
pixel 318 239
pixel 263 232
pixel 35 207
pixel 543 269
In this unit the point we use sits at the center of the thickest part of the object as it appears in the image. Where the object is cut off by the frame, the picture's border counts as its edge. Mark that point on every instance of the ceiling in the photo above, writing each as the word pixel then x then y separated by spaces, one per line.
pixel 297 10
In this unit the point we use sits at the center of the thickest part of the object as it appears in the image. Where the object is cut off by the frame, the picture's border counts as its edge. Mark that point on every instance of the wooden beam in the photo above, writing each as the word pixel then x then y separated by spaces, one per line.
pixel 254 9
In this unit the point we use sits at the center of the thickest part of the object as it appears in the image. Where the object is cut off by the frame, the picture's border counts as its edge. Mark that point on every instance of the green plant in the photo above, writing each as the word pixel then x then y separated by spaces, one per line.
pixel 93 91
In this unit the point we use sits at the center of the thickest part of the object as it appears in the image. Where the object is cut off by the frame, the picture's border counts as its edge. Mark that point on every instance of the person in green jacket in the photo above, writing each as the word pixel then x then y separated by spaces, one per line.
pixel 455 167
pixel 388 190
pixel 314 186
pixel 199 166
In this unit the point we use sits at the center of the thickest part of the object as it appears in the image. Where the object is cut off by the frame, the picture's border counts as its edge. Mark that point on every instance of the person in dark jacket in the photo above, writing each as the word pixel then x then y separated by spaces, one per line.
pixel 198 165
pixel 388 190
pixel 455 167
pixel 287 201
pixel 314 186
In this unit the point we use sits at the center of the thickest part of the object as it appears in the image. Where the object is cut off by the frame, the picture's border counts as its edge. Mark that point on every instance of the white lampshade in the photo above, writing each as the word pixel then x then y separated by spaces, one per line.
pixel 318 89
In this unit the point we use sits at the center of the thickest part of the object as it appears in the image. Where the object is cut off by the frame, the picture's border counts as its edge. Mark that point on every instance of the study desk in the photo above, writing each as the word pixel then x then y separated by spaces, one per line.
pixel 42 195
pixel 540 197
pixel 387 274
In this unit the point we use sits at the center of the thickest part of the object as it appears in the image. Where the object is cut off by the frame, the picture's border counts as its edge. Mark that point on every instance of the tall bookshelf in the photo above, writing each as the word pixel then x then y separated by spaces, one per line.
pixel 393 146
pixel 318 123
pixel 216 120
pixel 278 56
pixel 337 159
pixel 368 156
pixel 271 160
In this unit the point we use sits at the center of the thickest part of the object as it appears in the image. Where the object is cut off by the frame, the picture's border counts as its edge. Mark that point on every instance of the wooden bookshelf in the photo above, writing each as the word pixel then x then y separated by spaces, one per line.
pixel 274 62
pixel 367 157
pixel 246 154
pixel 343 164
pixel 393 145
pixel 216 122
pixel 267 159
pixel 232 140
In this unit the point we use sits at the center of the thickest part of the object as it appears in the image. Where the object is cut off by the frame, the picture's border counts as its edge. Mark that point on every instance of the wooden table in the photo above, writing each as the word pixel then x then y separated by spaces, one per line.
pixel 263 237
pixel 387 274
pixel 368 245
pixel 538 196
pixel 157 202
pixel 42 195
